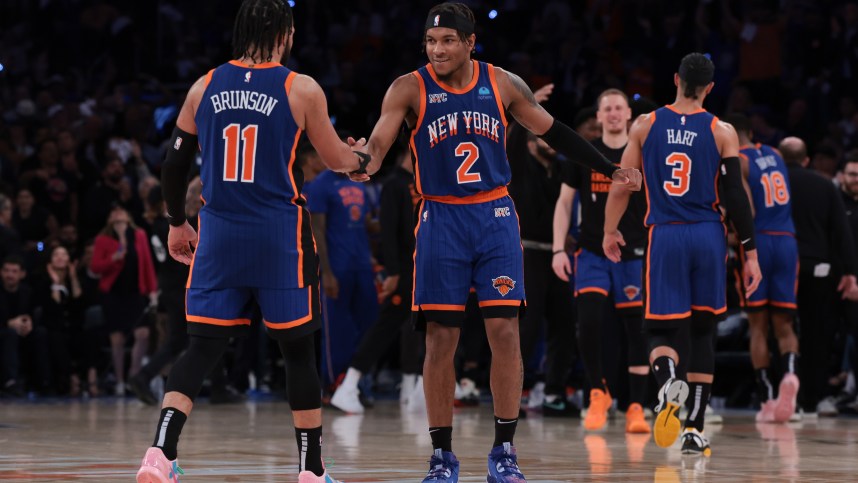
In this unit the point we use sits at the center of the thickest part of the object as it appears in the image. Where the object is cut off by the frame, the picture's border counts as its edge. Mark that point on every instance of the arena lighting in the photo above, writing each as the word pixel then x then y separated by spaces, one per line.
pixel 1 67
pixel 493 13
pixel 291 3
pixel 636 97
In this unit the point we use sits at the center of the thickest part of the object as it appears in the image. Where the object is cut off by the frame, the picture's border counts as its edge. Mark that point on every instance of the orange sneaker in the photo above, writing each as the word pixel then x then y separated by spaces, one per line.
pixel 635 421
pixel 597 414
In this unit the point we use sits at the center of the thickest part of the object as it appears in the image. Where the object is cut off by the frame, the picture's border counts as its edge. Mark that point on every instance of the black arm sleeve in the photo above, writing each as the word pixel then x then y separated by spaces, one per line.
pixel 570 144
pixel 841 235
pixel 174 174
pixel 736 201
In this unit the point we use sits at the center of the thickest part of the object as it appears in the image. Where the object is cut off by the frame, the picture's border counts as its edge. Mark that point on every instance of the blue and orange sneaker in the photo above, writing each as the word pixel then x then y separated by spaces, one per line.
pixel 443 467
pixel 156 468
pixel 503 465
pixel 310 477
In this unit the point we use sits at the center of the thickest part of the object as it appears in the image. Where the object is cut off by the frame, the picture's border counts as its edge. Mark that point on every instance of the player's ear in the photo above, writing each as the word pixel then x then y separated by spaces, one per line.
pixel 472 42
pixel 709 88
pixel 676 80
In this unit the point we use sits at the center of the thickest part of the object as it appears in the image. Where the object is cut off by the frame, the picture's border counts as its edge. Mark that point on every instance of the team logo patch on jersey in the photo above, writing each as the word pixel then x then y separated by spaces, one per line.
pixel 247 77
pixel 503 284
pixel 631 291
pixel 484 93
pixel 177 144
pixel 437 98
pixel 502 212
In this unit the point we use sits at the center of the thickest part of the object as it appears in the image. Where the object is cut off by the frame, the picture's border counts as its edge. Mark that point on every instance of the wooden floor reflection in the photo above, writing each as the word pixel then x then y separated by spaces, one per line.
pixel 102 440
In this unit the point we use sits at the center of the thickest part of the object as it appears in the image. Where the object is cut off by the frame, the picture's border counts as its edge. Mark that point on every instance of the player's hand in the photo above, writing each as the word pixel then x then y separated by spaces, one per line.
pixel 180 240
pixel 561 266
pixel 330 285
pixel 388 286
pixel 751 274
pixel 848 287
pixel 543 93
pixel 26 326
pixel 629 177
pixel 611 244
pixel 358 145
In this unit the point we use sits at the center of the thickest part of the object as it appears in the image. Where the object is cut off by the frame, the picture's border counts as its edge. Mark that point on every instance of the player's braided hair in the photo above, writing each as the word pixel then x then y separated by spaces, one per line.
pixel 455 8
pixel 258 26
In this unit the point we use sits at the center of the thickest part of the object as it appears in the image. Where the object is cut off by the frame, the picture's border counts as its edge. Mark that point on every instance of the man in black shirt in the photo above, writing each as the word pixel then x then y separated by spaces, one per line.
pixel 826 265
pixel 596 277
pixel 398 199
pixel 18 334
pixel 849 193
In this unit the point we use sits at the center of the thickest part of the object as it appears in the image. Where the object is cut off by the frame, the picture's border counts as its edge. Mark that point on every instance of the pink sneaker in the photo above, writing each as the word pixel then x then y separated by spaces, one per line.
pixel 787 391
pixel 156 468
pixel 767 412
pixel 310 477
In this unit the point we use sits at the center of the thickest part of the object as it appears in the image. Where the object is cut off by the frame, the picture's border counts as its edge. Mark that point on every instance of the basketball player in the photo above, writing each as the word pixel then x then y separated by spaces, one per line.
pixel 684 152
pixel 767 176
pixel 467 232
pixel 596 277
pixel 255 243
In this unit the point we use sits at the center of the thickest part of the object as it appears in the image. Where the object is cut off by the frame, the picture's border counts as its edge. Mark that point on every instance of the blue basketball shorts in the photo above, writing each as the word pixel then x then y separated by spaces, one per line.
pixel 595 273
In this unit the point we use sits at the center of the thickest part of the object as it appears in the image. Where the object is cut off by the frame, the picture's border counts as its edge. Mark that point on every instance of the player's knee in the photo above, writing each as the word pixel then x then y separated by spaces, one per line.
pixel 665 337
pixel 441 341
pixel 782 324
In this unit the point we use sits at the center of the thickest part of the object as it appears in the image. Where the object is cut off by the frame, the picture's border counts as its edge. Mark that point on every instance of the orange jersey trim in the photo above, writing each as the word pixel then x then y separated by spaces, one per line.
pixel 778 233
pixel 757 303
pixel 449 307
pixel 786 305
pixel 482 197
pixel 647 313
pixel 704 308
pixel 474 79
pixel 297 322
pixel 289 79
pixel 496 90
pixel 670 106
pixel 414 257
pixel 496 303
pixel 625 305
pixel 592 290
pixel 714 124
pixel 668 316
pixel 420 114
pixel 299 244
pixel 264 65
pixel 220 322
pixel 194 256
pixel 643 171
pixel 209 78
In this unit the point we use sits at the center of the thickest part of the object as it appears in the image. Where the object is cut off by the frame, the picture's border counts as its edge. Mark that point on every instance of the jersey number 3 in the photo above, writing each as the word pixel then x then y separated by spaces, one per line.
pixel 231 152
pixel 471 153
pixel 678 183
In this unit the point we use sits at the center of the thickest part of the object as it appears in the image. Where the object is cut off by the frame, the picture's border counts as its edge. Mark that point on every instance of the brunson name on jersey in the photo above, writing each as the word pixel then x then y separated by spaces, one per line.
pixel 470 122
pixel 255 101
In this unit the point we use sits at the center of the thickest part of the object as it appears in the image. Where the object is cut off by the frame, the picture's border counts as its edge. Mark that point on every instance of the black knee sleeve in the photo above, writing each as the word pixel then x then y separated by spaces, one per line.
pixel 189 371
pixel 668 337
pixel 638 354
pixel 591 312
pixel 702 358
pixel 302 379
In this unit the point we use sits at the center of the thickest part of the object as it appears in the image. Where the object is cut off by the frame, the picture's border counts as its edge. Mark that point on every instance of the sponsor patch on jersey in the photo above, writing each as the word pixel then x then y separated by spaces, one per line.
pixel 502 212
pixel 631 291
pixel 437 98
pixel 503 284
pixel 484 93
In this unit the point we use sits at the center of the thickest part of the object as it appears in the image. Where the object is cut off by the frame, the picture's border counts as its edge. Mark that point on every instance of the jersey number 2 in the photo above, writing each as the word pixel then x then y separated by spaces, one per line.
pixel 775 188
pixel 231 152
pixel 678 183
pixel 471 153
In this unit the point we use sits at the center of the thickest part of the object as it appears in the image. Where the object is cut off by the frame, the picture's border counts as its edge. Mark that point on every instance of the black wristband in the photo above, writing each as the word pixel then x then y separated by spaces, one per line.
pixel 363 161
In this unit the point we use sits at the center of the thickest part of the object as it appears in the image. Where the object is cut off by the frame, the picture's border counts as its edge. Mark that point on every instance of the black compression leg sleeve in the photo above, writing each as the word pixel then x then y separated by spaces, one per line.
pixel 188 372
pixel 590 315
pixel 302 379
pixel 702 357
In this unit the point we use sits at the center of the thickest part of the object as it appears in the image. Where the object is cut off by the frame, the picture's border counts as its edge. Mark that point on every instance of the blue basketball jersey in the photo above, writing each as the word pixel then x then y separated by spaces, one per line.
pixel 254 230
pixel 681 164
pixel 459 142
pixel 769 181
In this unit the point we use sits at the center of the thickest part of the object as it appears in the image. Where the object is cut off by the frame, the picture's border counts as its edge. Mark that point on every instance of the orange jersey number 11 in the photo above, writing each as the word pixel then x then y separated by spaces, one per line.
pixel 231 152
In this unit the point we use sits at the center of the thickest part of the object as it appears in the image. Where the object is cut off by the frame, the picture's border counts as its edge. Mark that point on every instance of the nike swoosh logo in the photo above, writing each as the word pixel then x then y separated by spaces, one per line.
pixel 745 241
pixel 506 422
pixel 558 406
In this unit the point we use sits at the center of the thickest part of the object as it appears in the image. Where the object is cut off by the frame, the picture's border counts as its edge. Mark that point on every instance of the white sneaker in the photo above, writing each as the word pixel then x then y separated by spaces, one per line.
pixel 417 398
pixel 711 417
pixel 536 396
pixel 406 387
pixel 827 407
pixel 346 399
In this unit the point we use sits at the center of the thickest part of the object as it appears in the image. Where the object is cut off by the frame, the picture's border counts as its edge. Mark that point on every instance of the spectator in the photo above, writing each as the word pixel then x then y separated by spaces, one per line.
pixel 36 226
pixel 123 259
pixel 10 242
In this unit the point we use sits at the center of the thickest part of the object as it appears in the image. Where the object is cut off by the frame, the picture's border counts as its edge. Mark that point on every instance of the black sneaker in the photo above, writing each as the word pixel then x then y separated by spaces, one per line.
pixel 694 443
pixel 140 386
pixel 558 407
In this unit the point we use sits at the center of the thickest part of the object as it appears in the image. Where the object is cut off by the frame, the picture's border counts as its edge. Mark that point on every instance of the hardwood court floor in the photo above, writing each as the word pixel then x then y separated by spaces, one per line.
pixel 103 440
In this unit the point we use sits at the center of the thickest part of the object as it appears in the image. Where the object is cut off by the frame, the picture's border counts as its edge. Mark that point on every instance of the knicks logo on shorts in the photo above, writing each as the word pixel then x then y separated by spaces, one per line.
pixel 631 291
pixel 503 284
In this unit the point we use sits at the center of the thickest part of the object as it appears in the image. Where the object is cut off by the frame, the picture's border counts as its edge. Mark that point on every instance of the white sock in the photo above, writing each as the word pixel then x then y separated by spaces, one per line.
pixel 352 378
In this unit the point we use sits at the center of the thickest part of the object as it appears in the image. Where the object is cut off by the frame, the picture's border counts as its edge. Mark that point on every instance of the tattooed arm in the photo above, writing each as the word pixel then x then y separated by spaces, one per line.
pixel 522 105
